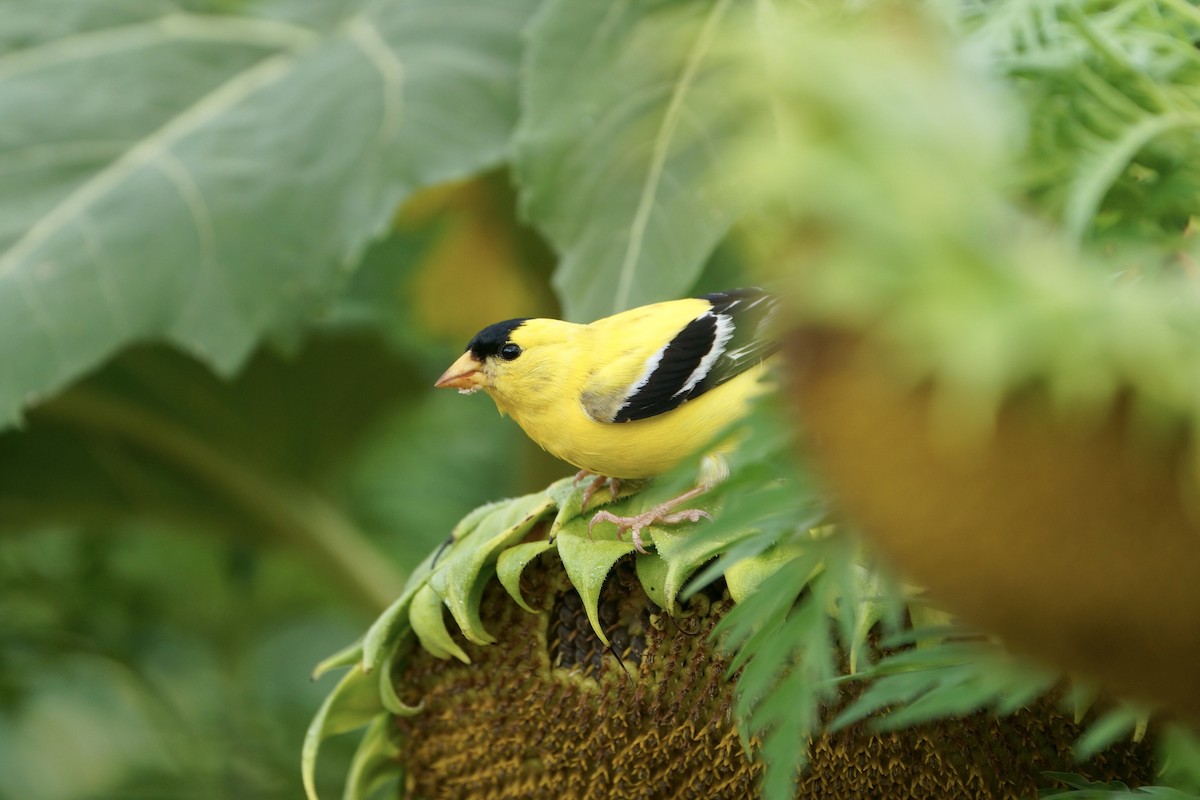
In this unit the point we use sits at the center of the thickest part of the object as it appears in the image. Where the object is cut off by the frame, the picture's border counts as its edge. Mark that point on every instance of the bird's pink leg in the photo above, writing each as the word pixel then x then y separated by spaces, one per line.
pixel 614 485
pixel 662 514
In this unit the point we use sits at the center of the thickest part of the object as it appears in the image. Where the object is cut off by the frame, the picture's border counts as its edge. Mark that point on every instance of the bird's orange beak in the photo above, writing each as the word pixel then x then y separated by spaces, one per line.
pixel 464 375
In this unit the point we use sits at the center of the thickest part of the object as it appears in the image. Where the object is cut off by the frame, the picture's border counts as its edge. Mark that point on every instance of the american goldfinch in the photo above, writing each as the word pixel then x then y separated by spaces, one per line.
pixel 630 395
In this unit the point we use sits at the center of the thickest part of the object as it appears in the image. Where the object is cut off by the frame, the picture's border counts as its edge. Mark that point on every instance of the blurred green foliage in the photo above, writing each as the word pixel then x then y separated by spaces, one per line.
pixel 239 239
pixel 177 549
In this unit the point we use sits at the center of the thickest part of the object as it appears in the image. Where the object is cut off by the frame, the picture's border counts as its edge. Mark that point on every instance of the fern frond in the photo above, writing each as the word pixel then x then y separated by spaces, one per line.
pixel 1112 94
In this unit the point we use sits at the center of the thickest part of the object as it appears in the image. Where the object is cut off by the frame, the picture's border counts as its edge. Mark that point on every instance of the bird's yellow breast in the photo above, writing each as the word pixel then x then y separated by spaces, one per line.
pixel 641 448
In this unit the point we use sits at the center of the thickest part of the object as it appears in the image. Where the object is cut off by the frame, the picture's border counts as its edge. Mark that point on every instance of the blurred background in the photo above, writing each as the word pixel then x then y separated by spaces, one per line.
pixel 180 549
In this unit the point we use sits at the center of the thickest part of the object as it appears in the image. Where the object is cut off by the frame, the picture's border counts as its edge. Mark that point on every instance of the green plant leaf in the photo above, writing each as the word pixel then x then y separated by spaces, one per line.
pixel 945 678
pixel 388 695
pixel 1110 91
pixel 204 178
pixel 374 761
pixel 389 627
pixel 588 559
pixel 353 703
pixel 652 575
pixel 512 563
pixel 746 576
pixel 1104 166
pixel 468 564
pixel 343 658
pixel 620 128
pixel 1179 756
pixel 453 577
pixel 1083 789
pixel 1112 725
pixel 156 436
pixel 426 615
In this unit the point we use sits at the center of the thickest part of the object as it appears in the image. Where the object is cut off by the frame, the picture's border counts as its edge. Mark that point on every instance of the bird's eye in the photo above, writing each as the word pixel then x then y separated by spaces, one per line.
pixel 510 351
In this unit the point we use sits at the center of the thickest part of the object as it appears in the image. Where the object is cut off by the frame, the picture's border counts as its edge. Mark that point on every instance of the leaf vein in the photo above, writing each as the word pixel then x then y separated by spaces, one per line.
pixel 193 27
pixel 662 144
pixel 177 173
pixel 365 36
pixel 41 317
pixel 144 153
pixel 112 298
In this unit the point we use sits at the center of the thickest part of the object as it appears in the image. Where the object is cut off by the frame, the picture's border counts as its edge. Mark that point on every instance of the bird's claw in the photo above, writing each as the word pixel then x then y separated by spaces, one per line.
pixel 636 524
pixel 614 485
pixel 691 515
pixel 608 516
pixel 632 524
pixel 637 542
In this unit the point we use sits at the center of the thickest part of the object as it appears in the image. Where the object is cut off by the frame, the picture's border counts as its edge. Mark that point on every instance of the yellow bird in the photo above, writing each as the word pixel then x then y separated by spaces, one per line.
pixel 630 395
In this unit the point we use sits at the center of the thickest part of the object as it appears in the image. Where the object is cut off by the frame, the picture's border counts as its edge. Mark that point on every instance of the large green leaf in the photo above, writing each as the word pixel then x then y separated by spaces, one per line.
pixel 203 178
pixel 621 126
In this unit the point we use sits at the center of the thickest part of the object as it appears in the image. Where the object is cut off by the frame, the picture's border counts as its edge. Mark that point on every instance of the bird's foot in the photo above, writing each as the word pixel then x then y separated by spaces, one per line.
pixel 663 514
pixel 614 485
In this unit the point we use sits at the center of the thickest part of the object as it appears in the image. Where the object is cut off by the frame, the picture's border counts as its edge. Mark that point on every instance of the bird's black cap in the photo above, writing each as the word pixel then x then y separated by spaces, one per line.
pixel 489 340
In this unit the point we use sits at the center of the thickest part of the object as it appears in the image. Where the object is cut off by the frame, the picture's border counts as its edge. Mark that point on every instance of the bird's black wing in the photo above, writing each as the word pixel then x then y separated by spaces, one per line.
pixel 721 343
